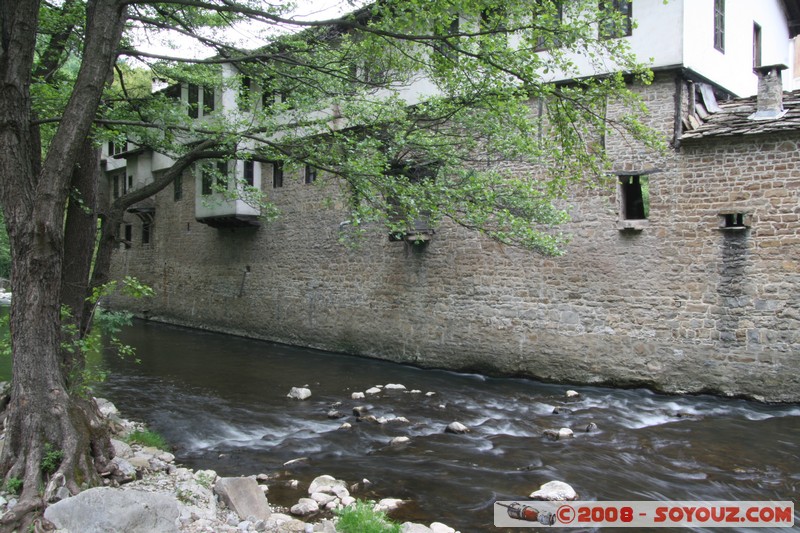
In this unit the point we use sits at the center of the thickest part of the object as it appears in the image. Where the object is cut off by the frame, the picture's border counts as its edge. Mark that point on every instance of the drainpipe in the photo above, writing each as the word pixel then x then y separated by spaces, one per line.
pixel 769 102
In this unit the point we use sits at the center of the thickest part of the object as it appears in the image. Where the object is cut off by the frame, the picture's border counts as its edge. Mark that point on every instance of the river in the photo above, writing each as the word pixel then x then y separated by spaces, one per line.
pixel 221 402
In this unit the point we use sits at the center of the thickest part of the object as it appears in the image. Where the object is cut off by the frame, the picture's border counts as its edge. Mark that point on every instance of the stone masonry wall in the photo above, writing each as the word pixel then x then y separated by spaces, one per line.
pixel 680 305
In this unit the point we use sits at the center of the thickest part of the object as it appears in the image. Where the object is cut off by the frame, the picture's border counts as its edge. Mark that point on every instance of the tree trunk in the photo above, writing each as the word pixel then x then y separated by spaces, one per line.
pixel 80 235
pixel 43 417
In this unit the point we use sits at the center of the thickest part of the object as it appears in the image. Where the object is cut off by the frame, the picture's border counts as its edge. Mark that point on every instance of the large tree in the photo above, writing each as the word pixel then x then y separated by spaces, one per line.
pixel 336 94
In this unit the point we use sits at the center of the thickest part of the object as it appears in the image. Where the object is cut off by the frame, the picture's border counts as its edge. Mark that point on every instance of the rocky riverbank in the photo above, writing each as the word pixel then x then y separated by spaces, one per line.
pixel 147 492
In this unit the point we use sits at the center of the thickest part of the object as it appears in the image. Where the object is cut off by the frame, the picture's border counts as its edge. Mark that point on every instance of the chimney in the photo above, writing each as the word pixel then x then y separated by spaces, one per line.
pixel 769 102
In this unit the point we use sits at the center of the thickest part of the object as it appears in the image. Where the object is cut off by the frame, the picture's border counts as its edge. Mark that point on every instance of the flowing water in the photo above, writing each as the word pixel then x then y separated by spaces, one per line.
pixel 221 402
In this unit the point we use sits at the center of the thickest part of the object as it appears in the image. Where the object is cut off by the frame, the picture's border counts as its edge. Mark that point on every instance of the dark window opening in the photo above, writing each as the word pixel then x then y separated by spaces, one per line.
pixel 719 25
pixel 619 21
pixel 115 187
pixel 128 235
pixel 634 197
pixel 146 230
pixel 194 100
pixel 448 43
pixel 208 100
pixel 756 45
pixel 733 220
pixel 245 98
pixel 310 174
pixel 277 174
pixel 177 188
pixel 222 174
pixel 174 91
pixel 115 147
pixel 542 42
pixel 129 186
pixel 207 183
pixel 249 173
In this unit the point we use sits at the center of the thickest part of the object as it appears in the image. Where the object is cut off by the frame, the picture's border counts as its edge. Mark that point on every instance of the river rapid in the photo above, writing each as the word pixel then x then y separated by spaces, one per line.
pixel 221 401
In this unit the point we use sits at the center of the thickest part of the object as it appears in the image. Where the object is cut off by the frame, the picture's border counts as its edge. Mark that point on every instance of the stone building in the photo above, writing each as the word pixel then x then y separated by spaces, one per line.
pixel 683 274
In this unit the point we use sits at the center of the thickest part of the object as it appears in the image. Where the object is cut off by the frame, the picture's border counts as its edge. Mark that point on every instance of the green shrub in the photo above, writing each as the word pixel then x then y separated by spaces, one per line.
pixel 52 459
pixel 14 485
pixel 146 437
pixel 362 518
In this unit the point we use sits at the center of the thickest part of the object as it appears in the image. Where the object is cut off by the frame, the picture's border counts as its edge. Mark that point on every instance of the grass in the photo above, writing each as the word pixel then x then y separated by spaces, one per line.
pixel 146 437
pixel 361 518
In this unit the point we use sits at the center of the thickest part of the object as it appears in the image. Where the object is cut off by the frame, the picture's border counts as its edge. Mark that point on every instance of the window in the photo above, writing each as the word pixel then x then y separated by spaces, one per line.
pixel 116 147
pixel 634 196
pixel 249 173
pixel 128 236
pixel 216 173
pixel 277 174
pixel 244 91
pixel 146 231
pixel 444 46
pixel 549 19
pixel 310 174
pixel 734 221
pixel 129 186
pixel 616 18
pixel 115 186
pixel 177 187
pixel 756 45
pixel 194 101
pixel 719 25
pixel 208 100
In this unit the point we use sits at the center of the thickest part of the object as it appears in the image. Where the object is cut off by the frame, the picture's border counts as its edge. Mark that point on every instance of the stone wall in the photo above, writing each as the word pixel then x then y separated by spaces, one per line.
pixel 680 305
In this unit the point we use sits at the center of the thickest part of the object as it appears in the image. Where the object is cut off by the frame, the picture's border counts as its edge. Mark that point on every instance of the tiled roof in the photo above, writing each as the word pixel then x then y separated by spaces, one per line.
pixel 731 120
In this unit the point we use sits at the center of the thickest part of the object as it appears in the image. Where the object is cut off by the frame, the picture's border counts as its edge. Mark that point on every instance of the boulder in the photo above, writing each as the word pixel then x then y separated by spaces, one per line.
pixel 358 396
pixel 304 506
pixel 558 434
pixel 124 470
pixel 456 427
pixel 243 496
pixel 322 498
pixel 121 449
pixel 399 440
pixel 388 504
pixel 299 393
pixel 327 485
pixel 360 410
pixel 104 509
pixel 411 527
pixel 591 427
pixel 394 386
pixel 555 491
pixel 106 407
pixel 373 390
pixel 438 527
pixel 572 394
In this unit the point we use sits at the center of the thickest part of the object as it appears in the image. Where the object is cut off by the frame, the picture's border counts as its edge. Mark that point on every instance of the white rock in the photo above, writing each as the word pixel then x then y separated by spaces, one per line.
pixel 565 433
pixel 299 393
pixel 573 394
pixel 388 504
pixel 326 484
pixel 121 449
pixel 456 427
pixel 322 499
pixel 554 491
pixel 348 501
pixel 373 390
pixel 411 527
pixel 346 425
pixel 358 396
pixel 304 506
pixel 395 386
pixel 430 394
pixel 399 440
pixel 106 407
pixel 438 527
pixel 415 391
